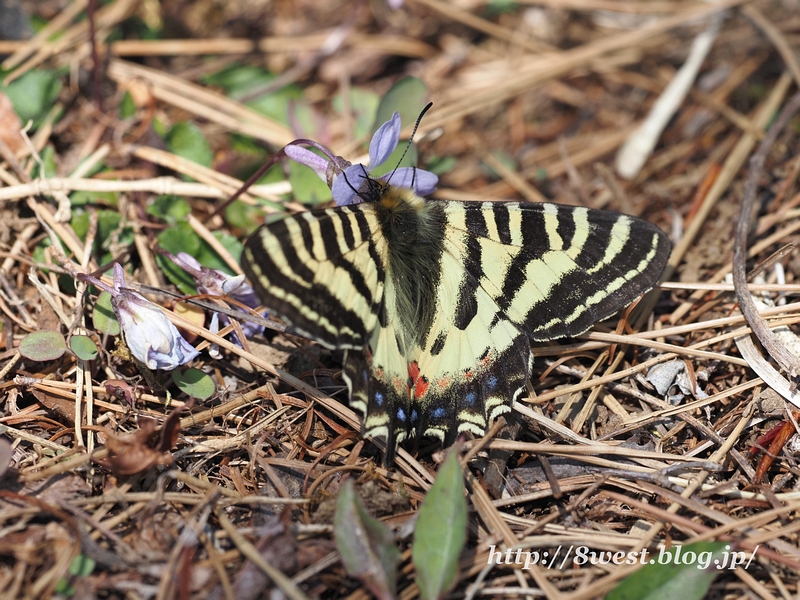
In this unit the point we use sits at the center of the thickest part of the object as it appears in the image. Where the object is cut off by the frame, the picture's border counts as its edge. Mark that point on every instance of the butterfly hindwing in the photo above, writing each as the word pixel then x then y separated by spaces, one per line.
pixel 516 271
pixel 435 302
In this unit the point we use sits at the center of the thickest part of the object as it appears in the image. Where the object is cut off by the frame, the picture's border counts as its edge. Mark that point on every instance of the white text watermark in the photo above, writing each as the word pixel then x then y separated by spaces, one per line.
pixel 565 556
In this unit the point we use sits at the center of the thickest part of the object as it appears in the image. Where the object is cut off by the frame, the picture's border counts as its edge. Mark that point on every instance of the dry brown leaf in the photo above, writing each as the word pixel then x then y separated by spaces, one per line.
pixel 10 127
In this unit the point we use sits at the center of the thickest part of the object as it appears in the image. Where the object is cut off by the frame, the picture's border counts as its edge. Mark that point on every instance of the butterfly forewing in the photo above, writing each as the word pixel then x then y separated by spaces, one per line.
pixel 554 270
pixel 436 301
pixel 323 272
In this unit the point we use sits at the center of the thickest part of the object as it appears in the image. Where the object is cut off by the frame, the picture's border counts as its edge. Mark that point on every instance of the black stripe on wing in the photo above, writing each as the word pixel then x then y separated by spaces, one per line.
pixel 310 299
pixel 568 311
pixel 586 291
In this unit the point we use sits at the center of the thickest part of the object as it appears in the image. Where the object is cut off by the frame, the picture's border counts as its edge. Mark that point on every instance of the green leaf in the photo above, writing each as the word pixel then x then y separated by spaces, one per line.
pixel 170 208
pixel 83 347
pixel 82 566
pixel 63 587
pixel 104 318
pixel 307 188
pixel 186 140
pixel 276 105
pixel 43 345
pixel 408 97
pixel 238 80
pixel 33 94
pixel 179 238
pixel 48 164
pixel 366 545
pixel 661 578
pixel 108 231
pixel 230 242
pixel 80 223
pixel 195 383
pixel 441 531
pixel 439 165
pixel 243 144
pixel 127 108
pixel 160 128
pixel 38 23
pixel 364 105
pixel 83 198
pixel 243 216
pixel 497 7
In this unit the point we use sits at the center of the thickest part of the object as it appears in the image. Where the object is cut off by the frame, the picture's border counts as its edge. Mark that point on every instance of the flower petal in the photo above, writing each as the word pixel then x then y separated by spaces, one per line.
pixel 425 182
pixel 346 186
pixel 187 260
pixel 149 334
pixel 309 159
pixel 384 141
pixel 421 181
pixel 119 276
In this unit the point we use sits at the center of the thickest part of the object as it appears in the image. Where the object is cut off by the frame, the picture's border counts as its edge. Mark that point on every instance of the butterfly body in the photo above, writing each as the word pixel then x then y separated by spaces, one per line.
pixel 435 302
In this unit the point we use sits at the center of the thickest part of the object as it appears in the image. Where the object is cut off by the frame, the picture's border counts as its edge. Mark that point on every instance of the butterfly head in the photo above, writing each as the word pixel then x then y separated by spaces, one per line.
pixel 383 192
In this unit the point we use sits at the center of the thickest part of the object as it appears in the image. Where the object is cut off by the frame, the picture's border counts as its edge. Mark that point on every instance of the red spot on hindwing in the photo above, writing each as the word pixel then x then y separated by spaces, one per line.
pixel 417 381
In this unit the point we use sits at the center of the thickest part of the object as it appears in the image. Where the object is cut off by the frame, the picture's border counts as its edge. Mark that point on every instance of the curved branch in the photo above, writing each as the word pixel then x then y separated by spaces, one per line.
pixel 787 361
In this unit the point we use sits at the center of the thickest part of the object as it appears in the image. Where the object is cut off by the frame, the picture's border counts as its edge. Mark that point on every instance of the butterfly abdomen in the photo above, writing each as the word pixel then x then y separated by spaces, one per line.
pixel 414 231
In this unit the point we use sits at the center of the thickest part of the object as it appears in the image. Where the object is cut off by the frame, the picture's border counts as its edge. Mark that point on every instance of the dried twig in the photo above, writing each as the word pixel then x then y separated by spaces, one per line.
pixel 787 361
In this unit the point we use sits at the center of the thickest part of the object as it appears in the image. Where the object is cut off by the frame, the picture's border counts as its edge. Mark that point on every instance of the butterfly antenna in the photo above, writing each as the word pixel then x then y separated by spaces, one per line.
pixel 365 196
pixel 410 140
pixel 374 187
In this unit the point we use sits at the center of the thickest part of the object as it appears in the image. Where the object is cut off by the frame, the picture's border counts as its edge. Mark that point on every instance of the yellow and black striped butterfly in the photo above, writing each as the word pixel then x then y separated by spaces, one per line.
pixel 435 302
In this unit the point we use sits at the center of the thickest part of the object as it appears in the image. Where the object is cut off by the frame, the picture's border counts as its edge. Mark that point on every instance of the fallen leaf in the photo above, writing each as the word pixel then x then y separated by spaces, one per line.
pixel 141 450
pixel 121 390
pixel 441 531
pixel 11 126
pixel 661 578
pixel 277 546
pixel 63 408
pixel 5 456
pixel 367 546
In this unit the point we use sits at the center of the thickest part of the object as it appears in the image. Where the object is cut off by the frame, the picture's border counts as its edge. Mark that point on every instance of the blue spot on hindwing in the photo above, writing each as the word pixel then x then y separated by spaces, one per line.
pixel 470 398
pixel 414 415
pixel 438 413
pixel 401 415
pixel 491 382
pixel 378 398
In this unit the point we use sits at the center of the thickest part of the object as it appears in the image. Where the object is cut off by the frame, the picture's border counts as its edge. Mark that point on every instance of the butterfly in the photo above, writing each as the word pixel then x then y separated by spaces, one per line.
pixel 435 302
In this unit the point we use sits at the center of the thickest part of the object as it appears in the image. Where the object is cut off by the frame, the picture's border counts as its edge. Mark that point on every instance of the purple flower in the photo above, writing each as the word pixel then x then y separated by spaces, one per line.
pixel 217 283
pixel 327 167
pixel 150 335
pixel 320 164
pixel 349 182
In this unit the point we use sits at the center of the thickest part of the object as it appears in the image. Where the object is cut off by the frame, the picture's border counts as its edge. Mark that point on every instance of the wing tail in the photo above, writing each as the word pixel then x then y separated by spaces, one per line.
pixel 380 394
